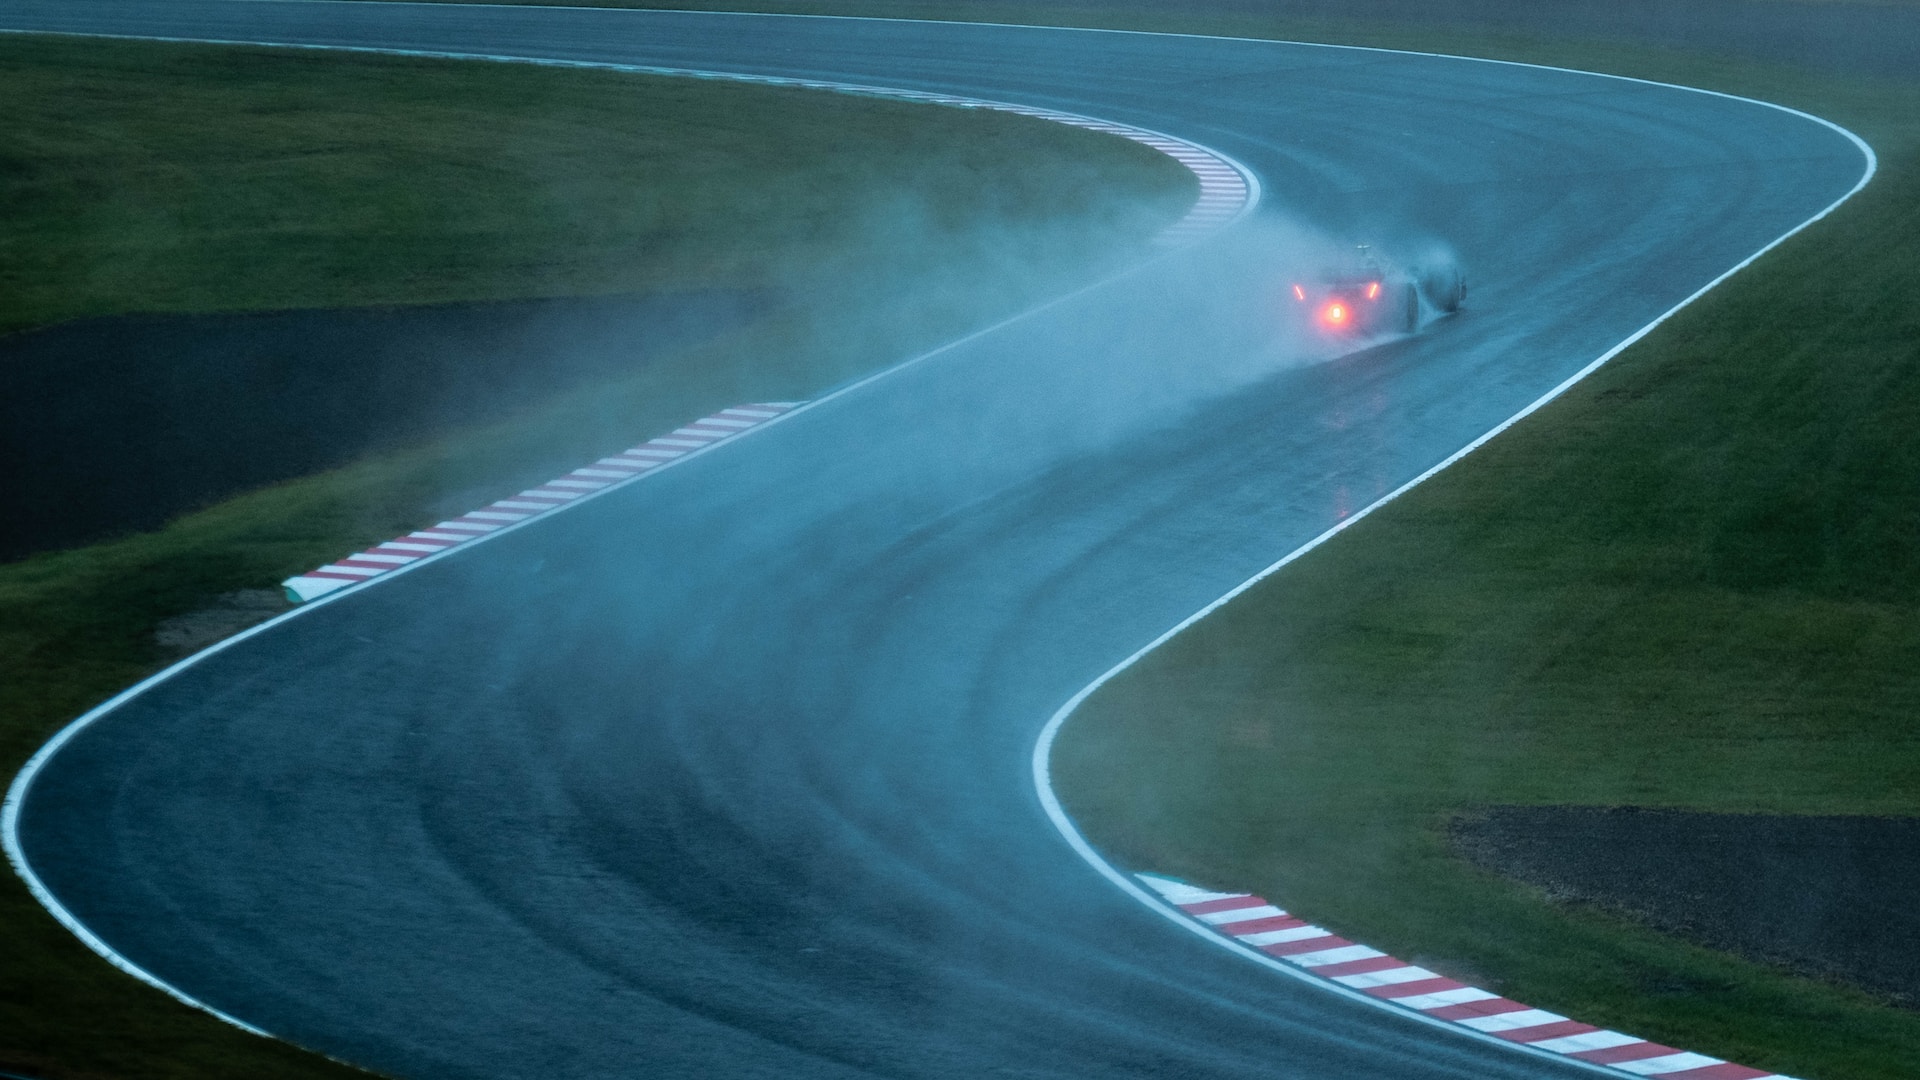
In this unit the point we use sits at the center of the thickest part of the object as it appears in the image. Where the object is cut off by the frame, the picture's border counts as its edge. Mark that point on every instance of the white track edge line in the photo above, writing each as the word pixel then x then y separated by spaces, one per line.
pixel 23 780
pixel 1043 746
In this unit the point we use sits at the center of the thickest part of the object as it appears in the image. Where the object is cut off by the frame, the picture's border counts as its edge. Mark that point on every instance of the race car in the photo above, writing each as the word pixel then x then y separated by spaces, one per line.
pixel 1368 298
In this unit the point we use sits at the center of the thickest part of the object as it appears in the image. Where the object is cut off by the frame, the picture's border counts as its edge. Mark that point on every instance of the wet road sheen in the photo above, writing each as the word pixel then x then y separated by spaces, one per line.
pixel 726 774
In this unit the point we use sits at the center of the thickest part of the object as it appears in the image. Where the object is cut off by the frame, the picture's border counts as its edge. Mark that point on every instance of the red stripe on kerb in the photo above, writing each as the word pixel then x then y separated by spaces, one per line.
pixel 1557 1030
pixel 1261 926
pixel 1629 1052
pixel 1414 988
pixel 1310 945
pixel 1359 967
pixel 1489 1007
pixel 1231 903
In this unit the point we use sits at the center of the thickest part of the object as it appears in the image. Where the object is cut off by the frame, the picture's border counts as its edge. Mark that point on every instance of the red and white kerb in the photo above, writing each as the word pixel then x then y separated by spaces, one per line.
pixel 1253 922
pixel 532 502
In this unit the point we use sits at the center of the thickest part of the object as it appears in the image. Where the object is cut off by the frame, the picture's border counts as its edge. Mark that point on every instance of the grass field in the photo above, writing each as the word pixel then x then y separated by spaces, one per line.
pixel 149 177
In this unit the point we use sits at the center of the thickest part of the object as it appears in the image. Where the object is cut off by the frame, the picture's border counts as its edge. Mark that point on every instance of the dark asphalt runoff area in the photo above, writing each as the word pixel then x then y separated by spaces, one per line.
pixel 728 773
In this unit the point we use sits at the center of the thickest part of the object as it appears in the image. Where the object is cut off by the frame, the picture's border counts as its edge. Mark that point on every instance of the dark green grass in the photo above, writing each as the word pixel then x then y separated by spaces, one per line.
pixel 249 179
pixel 162 177
pixel 1693 582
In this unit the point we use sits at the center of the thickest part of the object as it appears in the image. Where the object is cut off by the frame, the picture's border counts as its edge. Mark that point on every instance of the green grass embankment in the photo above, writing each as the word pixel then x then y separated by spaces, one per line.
pixel 141 177
pixel 1692 582
pixel 151 177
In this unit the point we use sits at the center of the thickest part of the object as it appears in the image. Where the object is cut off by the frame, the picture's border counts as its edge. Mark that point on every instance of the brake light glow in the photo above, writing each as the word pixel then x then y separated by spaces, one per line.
pixel 1373 290
pixel 1299 293
pixel 1334 314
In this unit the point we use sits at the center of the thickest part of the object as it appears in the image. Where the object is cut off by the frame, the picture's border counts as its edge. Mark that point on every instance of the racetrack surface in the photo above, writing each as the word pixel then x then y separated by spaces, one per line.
pixel 726 773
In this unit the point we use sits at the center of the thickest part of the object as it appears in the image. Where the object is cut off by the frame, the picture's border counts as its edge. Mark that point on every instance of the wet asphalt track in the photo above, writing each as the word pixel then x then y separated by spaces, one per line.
pixel 726 774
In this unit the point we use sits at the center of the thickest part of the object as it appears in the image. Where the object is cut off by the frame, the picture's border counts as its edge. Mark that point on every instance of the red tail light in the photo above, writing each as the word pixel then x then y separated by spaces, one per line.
pixel 1299 293
pixel 1373 290
pixel 1334 314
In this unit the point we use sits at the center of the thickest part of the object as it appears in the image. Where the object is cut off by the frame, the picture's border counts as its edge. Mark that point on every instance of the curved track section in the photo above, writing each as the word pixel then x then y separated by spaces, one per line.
pixel 728 773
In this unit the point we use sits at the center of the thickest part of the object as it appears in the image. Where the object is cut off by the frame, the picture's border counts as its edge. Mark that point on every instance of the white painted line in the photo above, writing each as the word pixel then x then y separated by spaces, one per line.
pixel 1344 954
pixel 1234 915
pixel 1511 1021
pixel 1463 996
pixel 1592 1040
pixel 1179 892
pixel 1388 977
pixel 1276 937
pixel 1670 1063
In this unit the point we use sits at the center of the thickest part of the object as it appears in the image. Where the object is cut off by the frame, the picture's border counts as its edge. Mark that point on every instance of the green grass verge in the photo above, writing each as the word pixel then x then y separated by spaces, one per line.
pixel 145 177
pixel 1693 582
pixel 252 179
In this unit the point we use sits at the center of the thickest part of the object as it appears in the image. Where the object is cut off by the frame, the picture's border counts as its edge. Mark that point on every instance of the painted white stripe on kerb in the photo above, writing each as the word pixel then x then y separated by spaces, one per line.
pixel 1342 955
pixel 1179 892
pixel 1439 999
pixel 1592 1040
pixel 1275 937
pixel 1388 977
pixel 1670 1063
pixel 1511 1021
pixel 1234 915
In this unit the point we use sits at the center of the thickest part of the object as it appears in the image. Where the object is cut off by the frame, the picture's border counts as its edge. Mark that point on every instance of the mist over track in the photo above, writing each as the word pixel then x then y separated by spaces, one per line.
pixel 727 773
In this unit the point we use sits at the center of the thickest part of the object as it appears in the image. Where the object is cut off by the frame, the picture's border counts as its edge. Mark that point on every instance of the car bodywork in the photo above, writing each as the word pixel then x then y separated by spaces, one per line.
pixel 1369 298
